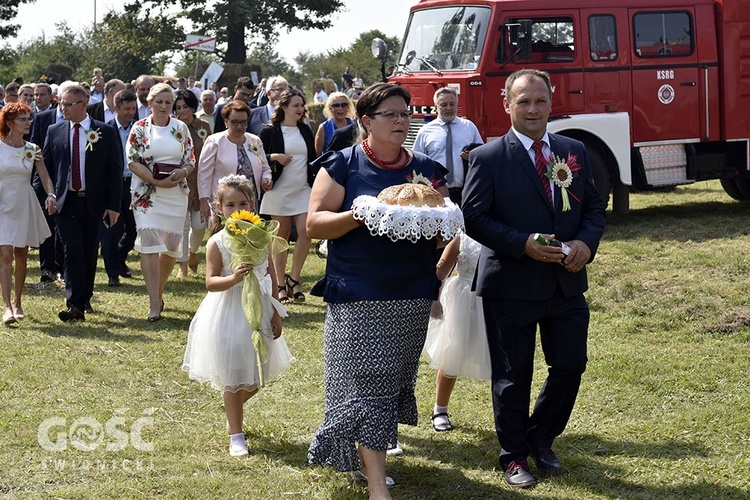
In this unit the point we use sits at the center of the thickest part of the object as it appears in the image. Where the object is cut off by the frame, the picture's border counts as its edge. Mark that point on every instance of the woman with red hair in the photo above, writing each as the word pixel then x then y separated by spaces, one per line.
pixel 21 220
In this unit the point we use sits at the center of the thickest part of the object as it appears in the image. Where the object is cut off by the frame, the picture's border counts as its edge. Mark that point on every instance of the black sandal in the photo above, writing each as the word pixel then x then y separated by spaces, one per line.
pixel 285 298
pixel 290 285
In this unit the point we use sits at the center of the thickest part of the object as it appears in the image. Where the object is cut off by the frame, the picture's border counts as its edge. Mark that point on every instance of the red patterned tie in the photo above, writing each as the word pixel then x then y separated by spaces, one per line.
pixel 76 180
pixel 541 167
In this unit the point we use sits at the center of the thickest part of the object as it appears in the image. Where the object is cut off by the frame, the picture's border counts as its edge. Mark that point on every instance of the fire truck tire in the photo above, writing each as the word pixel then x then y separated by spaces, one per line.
pixel 731 188
pixel 600 172
pixel 743 185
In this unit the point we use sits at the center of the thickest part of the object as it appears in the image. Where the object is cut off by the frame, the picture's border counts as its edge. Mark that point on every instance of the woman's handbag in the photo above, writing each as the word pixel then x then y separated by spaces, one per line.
pixel 164 170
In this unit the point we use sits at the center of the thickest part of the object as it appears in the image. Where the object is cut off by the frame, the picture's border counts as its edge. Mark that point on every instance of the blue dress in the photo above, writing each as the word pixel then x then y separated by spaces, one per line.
pixel 379 294
pixel 329 127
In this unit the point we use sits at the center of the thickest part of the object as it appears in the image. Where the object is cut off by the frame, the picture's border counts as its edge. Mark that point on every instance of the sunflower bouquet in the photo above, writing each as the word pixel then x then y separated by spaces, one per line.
pixel 251 241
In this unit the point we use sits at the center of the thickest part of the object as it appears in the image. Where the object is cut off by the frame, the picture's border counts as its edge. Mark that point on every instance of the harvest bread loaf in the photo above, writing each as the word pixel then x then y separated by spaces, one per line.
pixel 419 195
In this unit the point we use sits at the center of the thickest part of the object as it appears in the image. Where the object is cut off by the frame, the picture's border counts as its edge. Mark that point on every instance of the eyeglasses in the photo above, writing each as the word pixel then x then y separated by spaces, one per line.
pixel 24 119
pixel 340 105
pixel 70 104
pixel 393 115
pixel 238 123
pixel 277 90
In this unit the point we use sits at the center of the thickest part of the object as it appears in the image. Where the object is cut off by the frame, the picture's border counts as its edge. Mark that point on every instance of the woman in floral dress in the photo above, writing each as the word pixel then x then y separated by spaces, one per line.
pixel 161 157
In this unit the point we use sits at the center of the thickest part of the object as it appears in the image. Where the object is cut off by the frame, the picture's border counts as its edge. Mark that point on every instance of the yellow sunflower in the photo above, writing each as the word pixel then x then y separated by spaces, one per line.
pixel 245 215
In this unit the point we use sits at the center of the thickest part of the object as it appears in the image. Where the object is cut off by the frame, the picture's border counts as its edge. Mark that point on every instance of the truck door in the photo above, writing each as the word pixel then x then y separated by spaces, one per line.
pixel 556 48
pixel 665 76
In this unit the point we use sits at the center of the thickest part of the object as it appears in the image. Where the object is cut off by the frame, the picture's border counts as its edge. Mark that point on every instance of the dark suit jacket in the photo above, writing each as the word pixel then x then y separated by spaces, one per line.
pixel 504 202
pixel 42 121
pixel 103 167
pixel 96 111
pixel 344 137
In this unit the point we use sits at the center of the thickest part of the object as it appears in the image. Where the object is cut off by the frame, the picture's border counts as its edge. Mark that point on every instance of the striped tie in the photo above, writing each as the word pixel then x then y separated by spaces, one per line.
pixel 541 167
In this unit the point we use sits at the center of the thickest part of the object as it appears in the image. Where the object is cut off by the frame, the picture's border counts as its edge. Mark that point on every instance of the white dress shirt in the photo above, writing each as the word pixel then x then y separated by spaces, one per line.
pixel 431 141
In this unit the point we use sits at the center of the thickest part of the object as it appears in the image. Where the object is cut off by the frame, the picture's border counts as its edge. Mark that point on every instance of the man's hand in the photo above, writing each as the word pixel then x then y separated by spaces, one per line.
pixel 112 216
pixel 543 253
pixel 579 255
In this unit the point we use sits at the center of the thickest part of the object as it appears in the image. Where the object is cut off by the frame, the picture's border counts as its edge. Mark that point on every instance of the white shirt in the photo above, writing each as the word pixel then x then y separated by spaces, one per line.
pixel 320 96
pixel 431 141
pixel 527 143
pixel 85 125
pixel 109 114
pixel 210 119
pixel 143 110
pixel 124 134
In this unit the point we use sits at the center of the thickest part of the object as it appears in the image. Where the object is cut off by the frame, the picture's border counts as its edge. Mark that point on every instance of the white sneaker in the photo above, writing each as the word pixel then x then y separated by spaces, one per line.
pixel 396 451
pixel 237 450
pixel 358 475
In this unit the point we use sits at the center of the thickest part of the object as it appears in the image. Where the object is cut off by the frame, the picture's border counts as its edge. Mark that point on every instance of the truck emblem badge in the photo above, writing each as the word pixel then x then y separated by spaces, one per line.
pixel 666 94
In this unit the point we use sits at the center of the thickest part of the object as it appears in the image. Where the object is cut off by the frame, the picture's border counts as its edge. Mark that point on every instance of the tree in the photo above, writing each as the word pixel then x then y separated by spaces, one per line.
pixel 8 12
pixel 228 20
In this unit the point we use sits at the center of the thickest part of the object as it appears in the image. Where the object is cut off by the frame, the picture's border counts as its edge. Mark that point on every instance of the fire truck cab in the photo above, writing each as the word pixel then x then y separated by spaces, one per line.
pixel 658 90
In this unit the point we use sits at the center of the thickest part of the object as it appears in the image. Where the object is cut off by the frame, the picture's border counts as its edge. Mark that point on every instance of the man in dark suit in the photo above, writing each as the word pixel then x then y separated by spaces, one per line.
pixel 104 110
pixel 51 250
pixel 243 91
pixel 118 239
pixel 523 283
pixel 83 158
pixel 275 86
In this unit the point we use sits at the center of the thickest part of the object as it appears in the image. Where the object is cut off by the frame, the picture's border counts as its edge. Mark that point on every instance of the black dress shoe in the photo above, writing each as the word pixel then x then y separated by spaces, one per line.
pixel 72 314
pixel 546 460
pixel 114 281
pixel 87 308
pixel 125 271
pixel 47 277
pixel 517 474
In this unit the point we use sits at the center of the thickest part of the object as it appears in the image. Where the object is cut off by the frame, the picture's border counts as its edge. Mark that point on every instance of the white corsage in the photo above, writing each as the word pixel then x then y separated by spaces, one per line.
pixel 92 137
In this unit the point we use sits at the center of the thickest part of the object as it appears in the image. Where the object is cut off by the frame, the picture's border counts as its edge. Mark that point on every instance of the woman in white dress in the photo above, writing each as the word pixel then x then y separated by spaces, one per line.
pixel 289 145
pixel 161 157
pixel 22 222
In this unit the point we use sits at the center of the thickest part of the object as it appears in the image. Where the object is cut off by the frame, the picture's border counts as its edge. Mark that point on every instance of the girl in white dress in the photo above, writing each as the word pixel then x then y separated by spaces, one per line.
pixel 220 349
pixel 456 337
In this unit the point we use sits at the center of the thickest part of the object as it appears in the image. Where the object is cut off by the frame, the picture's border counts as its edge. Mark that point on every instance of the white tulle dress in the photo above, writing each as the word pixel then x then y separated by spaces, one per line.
pixel 220 348
pixel 457 342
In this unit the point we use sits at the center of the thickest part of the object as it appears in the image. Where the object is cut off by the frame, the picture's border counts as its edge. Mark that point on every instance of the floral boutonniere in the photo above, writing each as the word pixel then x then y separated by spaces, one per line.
pixel 417 178
pixel 561 172
pixel 92 137
pixel 30 153
pixel 177 134
pixel 253 148
pixel 202 133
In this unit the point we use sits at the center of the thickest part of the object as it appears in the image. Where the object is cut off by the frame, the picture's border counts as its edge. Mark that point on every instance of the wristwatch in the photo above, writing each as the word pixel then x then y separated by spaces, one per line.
pixel 53 195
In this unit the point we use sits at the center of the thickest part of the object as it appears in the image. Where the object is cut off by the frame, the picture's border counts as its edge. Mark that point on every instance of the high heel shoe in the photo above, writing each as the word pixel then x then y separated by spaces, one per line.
pixel 291 284
pixel 284 299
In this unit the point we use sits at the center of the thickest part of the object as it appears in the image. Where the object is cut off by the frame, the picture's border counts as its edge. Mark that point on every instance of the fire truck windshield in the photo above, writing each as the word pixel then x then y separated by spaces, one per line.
pixel 445 39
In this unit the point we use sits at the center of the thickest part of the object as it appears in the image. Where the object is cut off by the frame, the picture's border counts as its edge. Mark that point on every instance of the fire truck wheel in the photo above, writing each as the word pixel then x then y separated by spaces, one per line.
pixel 600 172
pixel 743 185
pixel 731 188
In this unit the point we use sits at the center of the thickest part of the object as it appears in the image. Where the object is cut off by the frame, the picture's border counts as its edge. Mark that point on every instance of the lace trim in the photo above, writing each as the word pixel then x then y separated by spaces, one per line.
pixel 408 223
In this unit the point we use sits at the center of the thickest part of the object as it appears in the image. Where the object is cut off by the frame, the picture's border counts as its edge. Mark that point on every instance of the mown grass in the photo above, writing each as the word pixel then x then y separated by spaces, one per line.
pixel 663 411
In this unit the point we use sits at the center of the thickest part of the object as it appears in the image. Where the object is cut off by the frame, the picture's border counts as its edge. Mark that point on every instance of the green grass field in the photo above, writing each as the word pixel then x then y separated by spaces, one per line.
pixel 663 411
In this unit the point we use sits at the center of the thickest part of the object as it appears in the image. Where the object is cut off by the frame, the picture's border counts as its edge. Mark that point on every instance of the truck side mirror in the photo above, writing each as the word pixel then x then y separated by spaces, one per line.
pixel 520 38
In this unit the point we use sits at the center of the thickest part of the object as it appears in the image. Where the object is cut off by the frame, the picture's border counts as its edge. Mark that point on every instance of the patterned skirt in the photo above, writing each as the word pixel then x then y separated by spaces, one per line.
pixel 371 351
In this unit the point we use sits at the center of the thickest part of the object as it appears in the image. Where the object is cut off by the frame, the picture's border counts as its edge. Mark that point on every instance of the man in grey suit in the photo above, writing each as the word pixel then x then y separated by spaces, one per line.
pixel 262 114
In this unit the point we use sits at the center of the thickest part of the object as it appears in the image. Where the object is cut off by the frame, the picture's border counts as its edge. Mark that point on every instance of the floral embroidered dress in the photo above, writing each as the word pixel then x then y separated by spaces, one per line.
pixel 160 212
pixel 21 219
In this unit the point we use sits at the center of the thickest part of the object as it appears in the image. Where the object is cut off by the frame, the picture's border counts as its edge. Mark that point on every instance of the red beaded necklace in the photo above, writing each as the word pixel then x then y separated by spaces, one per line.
pixel 387 165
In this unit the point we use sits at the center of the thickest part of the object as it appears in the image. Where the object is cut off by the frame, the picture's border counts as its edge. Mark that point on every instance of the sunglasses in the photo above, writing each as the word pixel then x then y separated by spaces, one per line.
pixel 340 105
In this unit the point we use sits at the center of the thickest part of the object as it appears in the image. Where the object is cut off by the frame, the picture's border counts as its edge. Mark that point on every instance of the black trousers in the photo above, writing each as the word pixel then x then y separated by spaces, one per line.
pixel 511 332
pixel 79 232
pixel 119 239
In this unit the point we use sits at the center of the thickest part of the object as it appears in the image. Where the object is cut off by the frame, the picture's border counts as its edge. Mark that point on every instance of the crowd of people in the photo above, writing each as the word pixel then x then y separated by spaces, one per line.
pixel 150 167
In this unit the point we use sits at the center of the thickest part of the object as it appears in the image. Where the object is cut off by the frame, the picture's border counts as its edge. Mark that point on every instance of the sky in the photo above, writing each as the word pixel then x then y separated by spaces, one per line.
pixel 389 16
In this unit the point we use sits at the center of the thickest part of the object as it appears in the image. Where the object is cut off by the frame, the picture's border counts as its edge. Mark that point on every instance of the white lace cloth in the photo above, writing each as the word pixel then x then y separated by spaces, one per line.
pixel 408 223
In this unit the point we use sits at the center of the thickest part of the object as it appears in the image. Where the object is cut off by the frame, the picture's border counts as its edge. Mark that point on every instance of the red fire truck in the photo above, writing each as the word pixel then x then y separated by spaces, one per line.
pixel 658 90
